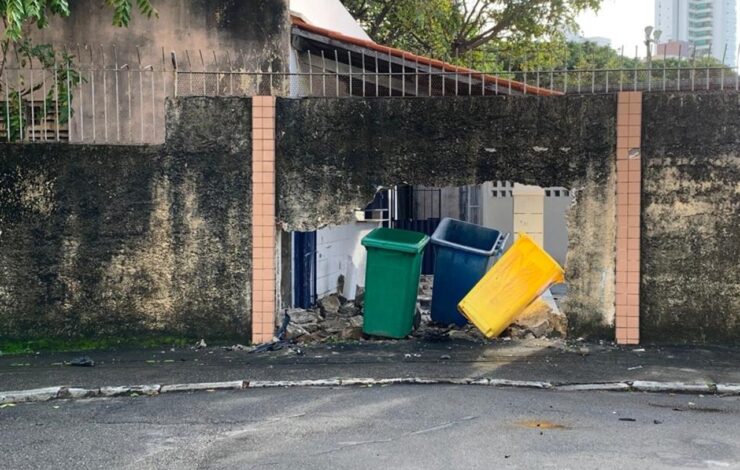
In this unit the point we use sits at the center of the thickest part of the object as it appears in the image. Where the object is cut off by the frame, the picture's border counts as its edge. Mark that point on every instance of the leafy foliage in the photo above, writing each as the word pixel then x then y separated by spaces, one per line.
pixel 466 31
pixel 17 13
pixel 122 10
pixel 17 17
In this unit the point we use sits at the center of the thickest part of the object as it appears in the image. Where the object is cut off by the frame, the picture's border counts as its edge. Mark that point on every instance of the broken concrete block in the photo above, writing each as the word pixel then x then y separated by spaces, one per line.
pixel 351 333
pixel 542 318
pixel 73 392
pixel 301 316
pixel 192 387
pixel 330 304
pixel 129 390
pixel 349 309
pixel 37 394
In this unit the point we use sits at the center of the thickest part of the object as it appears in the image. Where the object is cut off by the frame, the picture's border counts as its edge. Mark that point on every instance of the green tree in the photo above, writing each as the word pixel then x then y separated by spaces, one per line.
pixel 463 30
pixel 18 17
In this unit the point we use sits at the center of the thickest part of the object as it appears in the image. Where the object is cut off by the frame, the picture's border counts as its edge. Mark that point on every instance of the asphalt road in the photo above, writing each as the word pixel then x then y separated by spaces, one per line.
pixel 420 427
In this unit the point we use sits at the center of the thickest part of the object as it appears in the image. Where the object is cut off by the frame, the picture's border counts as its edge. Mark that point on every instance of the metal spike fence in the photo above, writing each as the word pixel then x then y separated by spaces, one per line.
pixel 102 97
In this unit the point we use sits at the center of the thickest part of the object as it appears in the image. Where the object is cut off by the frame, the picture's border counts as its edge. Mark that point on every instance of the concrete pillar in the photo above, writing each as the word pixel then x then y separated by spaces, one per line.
pixel 529 211
pixel 629 177
pixel 263 219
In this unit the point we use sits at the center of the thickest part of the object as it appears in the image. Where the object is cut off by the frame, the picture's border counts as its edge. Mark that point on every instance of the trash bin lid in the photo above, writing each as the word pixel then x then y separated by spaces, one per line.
pixel 467 237
pixel 396 240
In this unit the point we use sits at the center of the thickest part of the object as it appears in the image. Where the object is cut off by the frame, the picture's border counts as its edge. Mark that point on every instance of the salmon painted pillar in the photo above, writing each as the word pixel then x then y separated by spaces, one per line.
pixel 263 219
pixel 629 177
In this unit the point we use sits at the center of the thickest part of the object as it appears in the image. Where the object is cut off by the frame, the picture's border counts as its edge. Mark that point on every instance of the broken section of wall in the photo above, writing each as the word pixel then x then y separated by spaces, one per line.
pixel 690 242
pixel 334 153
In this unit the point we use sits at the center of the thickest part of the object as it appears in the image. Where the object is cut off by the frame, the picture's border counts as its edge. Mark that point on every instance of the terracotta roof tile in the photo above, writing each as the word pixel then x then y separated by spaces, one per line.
pixel 447 67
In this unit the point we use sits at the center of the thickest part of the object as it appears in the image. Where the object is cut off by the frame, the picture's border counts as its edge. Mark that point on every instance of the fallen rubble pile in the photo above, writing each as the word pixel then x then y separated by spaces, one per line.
pixel 336 318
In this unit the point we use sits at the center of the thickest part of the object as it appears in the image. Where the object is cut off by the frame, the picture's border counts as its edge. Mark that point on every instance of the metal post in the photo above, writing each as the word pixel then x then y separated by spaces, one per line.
pixel 403 75
pixel 457 75
pixel 510 79
pixel 216 76
pixel 416 77
pixel 363 72
pixel 141 93
pixel 377 76
pixel 737 69
pixel 44 116
pixel 525 74
pixel 665 61
pixel 390 74
pixel 33 104
pixel 203 66
pixel 190 70
pixel 722 70
pixel 7 108
pixel 621 70
pixel 336 71
pixel 349 70
pixel 709 54
pixel 92 94
pixel 69 106
pixel 118 110
pixel 323 73
pixel 678 72
pixel 429 81
pixel 56 96
pixel 82 105
pixel 310 74
pixel 231 74
pixel 634 85
pixel 154 106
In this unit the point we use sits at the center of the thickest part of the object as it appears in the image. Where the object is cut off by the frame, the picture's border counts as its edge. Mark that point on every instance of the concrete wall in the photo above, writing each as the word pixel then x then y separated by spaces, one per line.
pixel 115 241
pixel 332 154
pixel 690 287
pixel 254 33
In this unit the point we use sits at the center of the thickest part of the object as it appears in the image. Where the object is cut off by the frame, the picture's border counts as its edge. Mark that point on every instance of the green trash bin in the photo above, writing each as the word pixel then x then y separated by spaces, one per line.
pixel 392 280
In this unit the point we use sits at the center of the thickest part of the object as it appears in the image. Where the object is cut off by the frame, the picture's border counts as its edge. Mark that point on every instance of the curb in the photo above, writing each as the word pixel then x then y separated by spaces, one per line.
pixel 73 393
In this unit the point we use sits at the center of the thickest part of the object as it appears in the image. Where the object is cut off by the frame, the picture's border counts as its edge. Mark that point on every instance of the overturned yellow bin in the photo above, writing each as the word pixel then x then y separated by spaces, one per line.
pixel 522 274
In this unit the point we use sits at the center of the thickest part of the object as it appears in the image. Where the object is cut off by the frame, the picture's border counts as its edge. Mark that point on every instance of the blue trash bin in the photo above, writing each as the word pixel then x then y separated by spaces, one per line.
pixel 463 254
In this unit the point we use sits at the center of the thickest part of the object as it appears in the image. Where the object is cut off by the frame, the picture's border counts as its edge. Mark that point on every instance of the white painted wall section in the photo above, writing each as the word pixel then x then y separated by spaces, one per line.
pixel 340 253
pixel 329 14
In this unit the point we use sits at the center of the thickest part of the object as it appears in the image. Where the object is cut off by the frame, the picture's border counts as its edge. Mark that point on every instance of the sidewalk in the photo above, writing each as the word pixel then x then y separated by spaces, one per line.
pixel 553 362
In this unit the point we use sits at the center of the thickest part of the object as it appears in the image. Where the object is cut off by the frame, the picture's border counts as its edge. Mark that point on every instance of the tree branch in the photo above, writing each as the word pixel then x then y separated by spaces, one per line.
pixel 379 18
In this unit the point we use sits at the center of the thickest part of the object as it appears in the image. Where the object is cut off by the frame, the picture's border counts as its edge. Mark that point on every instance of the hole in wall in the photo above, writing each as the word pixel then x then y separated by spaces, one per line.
pixel 328 265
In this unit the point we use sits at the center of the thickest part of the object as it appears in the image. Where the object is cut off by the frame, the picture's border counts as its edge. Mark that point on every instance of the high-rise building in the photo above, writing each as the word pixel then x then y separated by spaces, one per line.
pixel 709 26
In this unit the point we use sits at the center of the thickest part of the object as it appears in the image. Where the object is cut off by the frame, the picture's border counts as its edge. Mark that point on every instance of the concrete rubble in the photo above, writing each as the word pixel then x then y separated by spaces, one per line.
pixel 336 318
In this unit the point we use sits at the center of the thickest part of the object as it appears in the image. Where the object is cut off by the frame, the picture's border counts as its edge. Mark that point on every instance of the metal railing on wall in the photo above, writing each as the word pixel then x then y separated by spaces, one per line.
pixel 94 94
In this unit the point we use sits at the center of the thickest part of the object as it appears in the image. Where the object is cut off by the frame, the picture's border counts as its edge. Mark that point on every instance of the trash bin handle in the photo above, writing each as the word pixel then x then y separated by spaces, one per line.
pixel 467 249
pixel 501 243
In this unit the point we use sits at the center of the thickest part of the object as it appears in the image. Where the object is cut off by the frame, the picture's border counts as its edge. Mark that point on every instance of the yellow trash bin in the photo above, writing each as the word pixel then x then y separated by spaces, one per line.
pixel 517 279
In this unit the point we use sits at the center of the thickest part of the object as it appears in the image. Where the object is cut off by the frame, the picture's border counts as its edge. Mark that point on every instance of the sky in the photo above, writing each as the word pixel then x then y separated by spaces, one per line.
pixel 622 21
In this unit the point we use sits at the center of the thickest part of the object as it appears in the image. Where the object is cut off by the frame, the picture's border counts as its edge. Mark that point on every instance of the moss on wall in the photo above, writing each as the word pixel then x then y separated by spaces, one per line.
pixel 690 247
pixel 120 240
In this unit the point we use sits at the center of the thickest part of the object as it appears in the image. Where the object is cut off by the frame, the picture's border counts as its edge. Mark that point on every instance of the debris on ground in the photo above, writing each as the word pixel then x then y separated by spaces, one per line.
pixel 336 318
pixel 541 319
pixel 201 344
pixel 82 361
pixel 280 340
pixel 237 347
